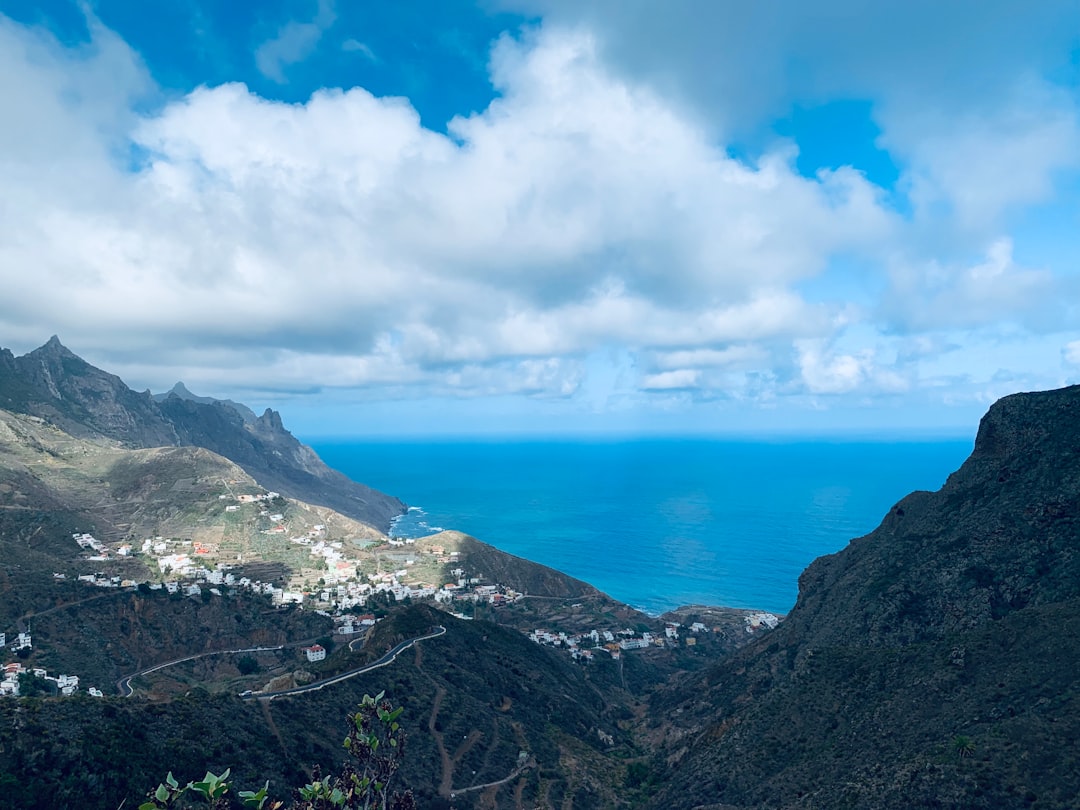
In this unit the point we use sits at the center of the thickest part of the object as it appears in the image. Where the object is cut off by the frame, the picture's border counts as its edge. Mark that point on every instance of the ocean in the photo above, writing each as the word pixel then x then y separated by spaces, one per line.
pixel 655 523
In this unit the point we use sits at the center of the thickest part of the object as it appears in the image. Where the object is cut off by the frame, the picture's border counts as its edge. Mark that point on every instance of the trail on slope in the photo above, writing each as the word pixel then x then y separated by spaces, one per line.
pixel 446 778
pixel 265 705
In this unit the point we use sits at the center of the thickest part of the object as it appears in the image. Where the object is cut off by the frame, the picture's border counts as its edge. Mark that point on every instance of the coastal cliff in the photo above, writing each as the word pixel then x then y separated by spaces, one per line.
pixel 929 663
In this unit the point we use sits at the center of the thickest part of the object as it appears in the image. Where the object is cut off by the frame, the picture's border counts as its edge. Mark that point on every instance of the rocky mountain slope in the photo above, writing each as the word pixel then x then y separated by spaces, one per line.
pixel 930 663
pixel 55 384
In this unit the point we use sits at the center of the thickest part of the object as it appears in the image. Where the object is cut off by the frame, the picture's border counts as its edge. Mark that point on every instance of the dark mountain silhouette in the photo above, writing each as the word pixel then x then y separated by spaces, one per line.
pixel 55 384
pixel 931 663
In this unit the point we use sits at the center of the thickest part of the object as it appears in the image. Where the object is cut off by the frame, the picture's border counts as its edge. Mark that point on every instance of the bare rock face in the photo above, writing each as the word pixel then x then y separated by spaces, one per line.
pixel 63 388
pixel 55 384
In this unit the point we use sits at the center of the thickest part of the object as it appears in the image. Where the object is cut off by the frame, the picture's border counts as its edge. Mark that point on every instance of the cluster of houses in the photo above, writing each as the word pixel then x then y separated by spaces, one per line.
pixel 22 641
pixel 583 647
pixel 65 684
pixel 9 686
pixel 756 621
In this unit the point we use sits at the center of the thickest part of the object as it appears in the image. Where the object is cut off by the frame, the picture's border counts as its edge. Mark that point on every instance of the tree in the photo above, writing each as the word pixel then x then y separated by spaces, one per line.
pixel 30 685
pixel 247 665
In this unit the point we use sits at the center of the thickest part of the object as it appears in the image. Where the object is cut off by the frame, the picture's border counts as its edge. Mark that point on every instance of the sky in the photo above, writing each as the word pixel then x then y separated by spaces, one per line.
pixel 506 217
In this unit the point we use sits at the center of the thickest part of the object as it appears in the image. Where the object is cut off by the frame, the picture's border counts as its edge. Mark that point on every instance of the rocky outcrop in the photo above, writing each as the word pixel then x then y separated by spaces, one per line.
pixel 181 390
pixel 55 384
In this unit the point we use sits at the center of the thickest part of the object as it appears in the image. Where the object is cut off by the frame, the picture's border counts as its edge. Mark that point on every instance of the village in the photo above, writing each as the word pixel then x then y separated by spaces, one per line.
pixel 584 646
pixel 11 685
pixel 344 586
pixel 194 569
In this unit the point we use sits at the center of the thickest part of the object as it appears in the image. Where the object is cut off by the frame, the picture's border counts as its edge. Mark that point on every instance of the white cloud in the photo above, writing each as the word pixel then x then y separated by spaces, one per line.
pixel 932 296
pixel 340 243
pixel 671 380
pixel 969 166
pixel 825 373
pixel 356 46
pixel 293 43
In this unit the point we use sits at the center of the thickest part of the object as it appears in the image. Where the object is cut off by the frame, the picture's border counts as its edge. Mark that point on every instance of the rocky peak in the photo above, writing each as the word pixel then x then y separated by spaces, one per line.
pixel 54 347
pixel 181 391
pixel 56 384
pixel 271 420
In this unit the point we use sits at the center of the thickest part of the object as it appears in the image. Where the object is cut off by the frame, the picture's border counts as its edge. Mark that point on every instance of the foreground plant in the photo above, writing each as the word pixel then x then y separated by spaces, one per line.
pixel 376 745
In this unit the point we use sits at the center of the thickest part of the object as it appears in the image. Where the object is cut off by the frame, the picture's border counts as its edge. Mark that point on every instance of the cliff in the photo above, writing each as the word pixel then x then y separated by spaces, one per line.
pixel 929 663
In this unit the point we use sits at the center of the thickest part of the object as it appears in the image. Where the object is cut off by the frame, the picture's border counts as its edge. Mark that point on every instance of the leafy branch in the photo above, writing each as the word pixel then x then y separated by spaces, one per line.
pixel 376 745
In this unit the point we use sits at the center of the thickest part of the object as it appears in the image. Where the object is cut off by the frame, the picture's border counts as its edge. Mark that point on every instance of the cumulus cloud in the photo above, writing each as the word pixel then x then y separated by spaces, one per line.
pixel 240 241
pixel 576 212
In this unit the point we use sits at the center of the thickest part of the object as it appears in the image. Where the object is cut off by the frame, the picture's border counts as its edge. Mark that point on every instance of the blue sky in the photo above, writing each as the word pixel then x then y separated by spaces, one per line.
pixel 550 216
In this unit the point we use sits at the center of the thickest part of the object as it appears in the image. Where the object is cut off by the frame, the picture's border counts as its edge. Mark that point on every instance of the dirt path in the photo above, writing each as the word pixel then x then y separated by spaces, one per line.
pixel 519 790
pixel 446 778
pixel 265 704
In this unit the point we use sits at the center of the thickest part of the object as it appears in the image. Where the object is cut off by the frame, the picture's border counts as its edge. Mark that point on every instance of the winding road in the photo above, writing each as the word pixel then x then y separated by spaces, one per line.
pixel 388 658
pixel 124 684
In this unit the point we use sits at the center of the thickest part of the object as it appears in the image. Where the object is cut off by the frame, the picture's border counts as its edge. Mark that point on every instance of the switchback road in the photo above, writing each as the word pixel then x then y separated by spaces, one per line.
pixel 314 687
pixel 124 684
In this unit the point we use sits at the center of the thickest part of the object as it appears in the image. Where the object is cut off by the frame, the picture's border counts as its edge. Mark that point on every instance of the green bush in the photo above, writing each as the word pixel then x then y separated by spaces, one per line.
pixel 375 743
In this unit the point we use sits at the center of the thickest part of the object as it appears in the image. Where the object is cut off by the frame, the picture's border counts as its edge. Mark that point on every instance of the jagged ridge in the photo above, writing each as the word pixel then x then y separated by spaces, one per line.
pixel 55 384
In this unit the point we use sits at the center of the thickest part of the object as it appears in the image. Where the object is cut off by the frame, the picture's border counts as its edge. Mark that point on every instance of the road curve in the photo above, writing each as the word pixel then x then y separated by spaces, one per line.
pixel 124 684
pixel 388 658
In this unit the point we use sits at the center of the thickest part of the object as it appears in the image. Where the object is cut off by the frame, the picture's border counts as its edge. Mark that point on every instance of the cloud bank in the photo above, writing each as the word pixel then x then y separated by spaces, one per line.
pixel 240 242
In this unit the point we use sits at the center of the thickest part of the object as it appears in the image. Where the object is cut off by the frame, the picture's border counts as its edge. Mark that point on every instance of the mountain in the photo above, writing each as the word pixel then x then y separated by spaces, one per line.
pixel 181 390
pixel 930 663
pixel 55 384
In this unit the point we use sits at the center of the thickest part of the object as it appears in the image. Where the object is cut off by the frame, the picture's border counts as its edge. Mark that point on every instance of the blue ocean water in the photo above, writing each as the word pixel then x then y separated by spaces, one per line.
pixel 656 523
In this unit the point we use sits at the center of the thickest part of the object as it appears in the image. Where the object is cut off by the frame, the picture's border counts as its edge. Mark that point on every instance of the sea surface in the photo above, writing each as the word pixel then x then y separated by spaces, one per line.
pixel 655 523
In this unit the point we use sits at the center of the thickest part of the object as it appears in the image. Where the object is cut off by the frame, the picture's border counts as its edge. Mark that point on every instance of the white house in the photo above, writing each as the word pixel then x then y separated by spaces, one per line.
pixel 755 621
pixel 316 652
pixel 22 642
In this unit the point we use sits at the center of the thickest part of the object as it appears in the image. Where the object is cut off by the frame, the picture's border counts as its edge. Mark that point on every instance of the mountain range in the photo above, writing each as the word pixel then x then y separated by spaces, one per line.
pixel 930 663
pixel 55 384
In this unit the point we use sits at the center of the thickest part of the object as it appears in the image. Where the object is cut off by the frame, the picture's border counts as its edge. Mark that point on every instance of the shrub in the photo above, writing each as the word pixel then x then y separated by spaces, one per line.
pixel 375 743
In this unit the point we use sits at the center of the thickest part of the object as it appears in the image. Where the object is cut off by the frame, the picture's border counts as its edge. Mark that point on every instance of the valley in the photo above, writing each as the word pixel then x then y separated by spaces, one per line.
pixel 203 620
